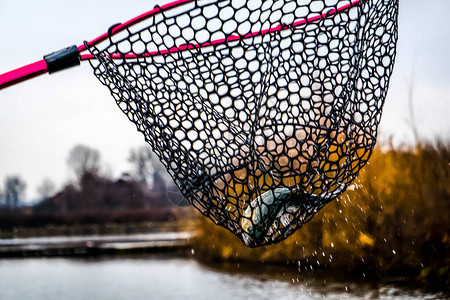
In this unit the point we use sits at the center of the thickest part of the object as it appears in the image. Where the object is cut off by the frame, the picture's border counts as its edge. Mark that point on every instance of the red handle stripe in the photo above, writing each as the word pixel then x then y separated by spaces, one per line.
pixel 40 67
pixel 231 38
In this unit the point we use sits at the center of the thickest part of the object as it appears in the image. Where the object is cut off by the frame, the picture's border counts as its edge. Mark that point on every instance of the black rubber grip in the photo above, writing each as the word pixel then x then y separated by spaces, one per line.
pixel 62 59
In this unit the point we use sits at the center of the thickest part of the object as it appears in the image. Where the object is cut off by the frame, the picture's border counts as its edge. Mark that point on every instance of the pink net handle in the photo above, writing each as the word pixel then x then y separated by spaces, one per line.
pixel 23 73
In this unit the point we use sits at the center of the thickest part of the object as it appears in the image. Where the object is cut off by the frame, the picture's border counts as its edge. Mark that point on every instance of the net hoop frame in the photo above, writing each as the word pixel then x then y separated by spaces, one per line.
pixel 40 67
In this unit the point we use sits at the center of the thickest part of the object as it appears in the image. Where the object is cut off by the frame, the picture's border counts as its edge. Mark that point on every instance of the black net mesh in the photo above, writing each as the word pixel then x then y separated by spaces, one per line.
pixel 261 111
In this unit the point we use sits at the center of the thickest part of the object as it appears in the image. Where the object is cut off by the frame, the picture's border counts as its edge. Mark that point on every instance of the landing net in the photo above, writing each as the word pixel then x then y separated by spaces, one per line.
pixel 261 111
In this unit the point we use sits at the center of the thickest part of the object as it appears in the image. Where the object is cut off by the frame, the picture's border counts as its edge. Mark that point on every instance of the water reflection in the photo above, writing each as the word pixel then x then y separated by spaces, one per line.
pixel 156 277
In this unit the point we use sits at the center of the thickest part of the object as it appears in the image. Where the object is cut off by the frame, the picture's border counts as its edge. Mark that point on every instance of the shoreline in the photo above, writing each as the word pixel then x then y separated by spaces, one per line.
pixel 92 245
pixel 181 244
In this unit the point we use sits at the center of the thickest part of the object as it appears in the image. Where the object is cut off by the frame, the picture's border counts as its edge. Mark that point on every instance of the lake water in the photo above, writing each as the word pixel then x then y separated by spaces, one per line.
pixel 162 277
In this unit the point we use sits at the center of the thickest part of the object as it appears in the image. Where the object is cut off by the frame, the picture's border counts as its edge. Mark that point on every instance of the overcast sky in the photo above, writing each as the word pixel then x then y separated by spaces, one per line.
pixel 42 119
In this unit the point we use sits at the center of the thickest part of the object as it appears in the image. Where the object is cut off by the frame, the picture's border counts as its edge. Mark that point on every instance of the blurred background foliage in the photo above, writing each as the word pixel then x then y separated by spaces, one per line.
pixel 392 221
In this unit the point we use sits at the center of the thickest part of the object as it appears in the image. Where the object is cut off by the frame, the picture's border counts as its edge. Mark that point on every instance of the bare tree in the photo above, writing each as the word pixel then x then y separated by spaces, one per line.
pixel 2 199
pixel 412 117
pixel 14 191
pixel 83 159
pixel 145 164
pixel 46 188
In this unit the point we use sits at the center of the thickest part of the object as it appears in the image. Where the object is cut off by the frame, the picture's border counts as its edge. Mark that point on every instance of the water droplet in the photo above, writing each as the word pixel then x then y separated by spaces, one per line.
pixel 393 251
pixel 332 245
pixel 192 251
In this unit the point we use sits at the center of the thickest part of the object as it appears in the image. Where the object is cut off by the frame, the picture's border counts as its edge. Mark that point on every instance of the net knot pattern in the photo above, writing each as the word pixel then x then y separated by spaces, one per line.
pixel 261 111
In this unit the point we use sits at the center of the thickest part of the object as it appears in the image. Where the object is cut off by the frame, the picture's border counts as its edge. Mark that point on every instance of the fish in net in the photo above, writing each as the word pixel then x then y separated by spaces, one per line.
pixel 261 111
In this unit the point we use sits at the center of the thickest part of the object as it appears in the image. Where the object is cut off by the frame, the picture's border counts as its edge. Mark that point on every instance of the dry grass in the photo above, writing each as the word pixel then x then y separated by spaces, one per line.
pixel 392 221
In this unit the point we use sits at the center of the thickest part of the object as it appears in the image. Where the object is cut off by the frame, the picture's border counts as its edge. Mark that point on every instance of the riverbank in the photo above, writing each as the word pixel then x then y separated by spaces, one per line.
pixel 174 237
pixel 184 244
pixel 392 222
pixel 94 245
pixel 158 276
